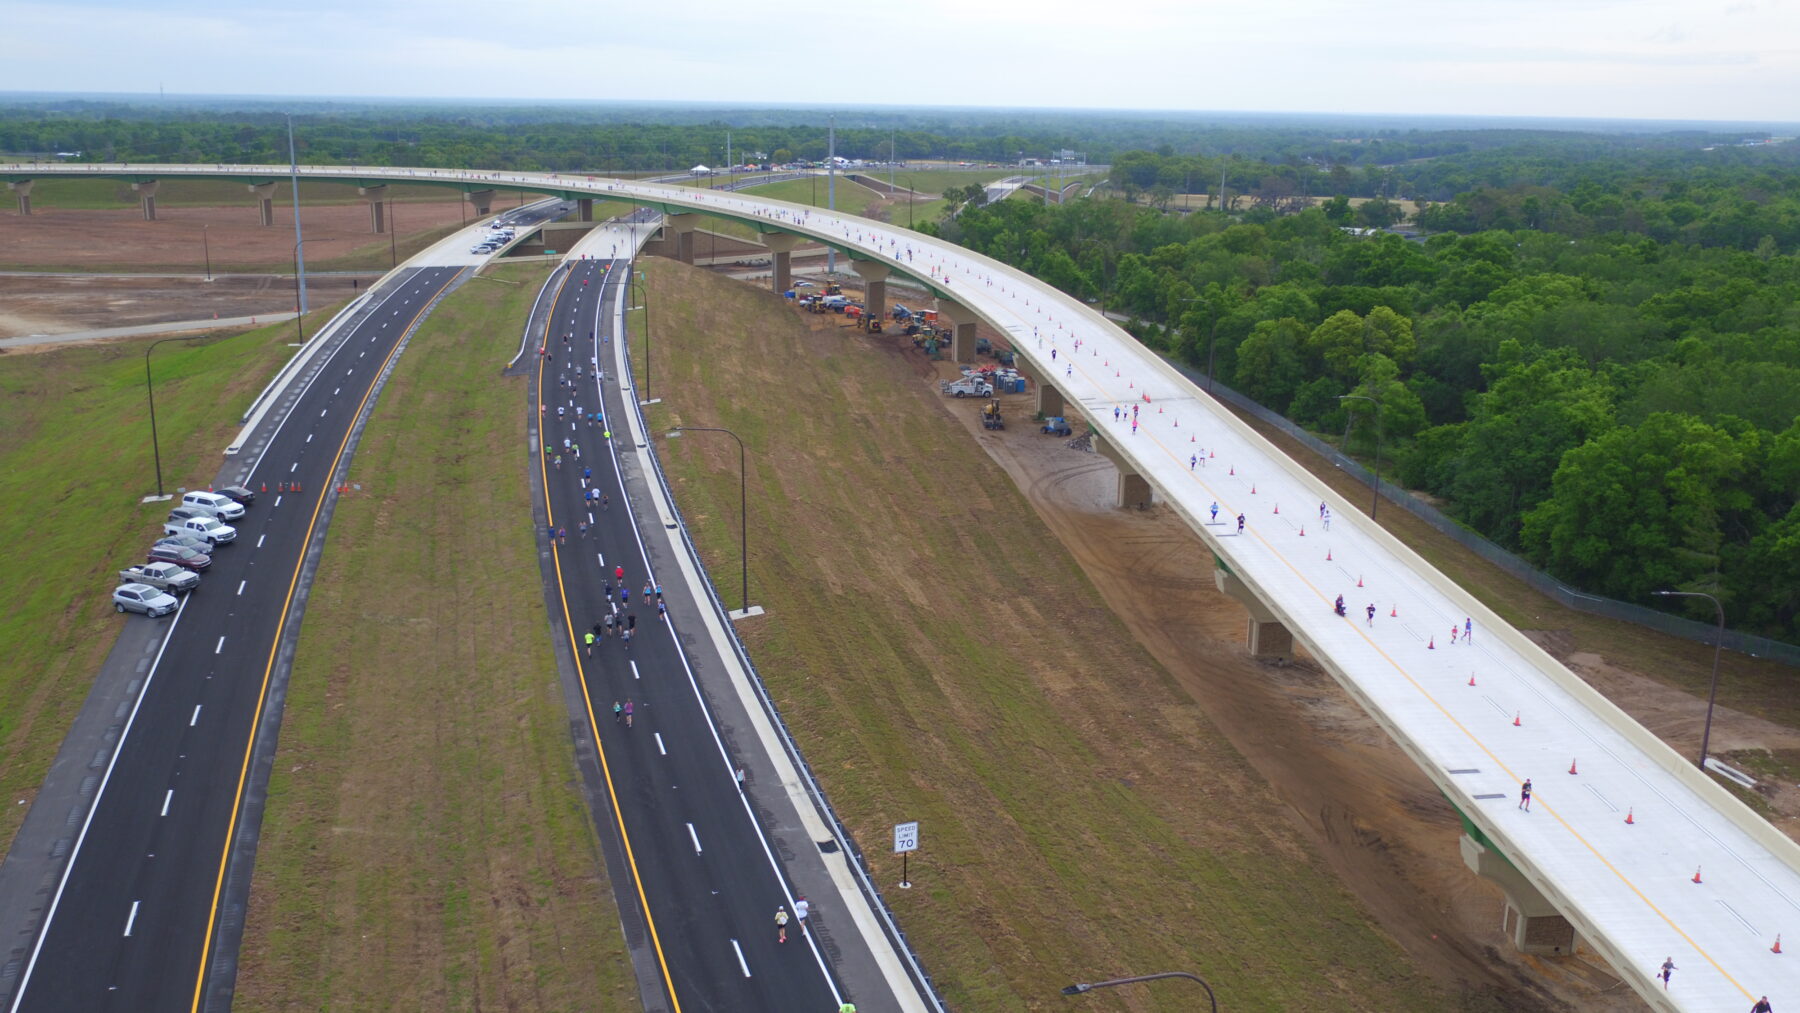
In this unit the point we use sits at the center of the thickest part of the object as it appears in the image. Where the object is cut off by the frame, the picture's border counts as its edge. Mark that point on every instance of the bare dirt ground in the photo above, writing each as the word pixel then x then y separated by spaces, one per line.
pixel 121 240
pixel 56 304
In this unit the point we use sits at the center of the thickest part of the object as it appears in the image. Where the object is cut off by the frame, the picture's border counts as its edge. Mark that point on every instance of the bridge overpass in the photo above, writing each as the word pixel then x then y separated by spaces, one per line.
pixel 1628 852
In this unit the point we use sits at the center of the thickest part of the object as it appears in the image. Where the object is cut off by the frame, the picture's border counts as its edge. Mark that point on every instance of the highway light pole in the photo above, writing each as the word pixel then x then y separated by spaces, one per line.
pixel 206 250
pixel 294 185
pixel 1375 500
pixel 1718 644
pixel 743 508
pixel 1079 988
pixel 299 294
pixel 150 390
pixel 393 244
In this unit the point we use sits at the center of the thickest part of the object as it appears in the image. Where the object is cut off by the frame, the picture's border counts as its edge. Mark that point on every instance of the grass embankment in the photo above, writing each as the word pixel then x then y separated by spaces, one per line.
pixel 426 844
pixel 379 254
pixel 941 657
pixel 101 194
pixel 75 453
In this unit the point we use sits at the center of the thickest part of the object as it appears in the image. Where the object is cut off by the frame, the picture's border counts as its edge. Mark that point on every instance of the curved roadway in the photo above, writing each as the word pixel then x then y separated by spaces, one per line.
pixel 1479 717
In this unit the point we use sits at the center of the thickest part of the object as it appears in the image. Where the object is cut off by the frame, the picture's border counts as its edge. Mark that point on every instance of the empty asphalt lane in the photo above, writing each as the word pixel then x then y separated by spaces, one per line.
pixel 153 853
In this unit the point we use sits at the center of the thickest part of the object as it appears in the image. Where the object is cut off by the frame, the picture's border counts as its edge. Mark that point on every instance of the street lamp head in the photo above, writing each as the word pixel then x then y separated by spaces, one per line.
pixel 1075 989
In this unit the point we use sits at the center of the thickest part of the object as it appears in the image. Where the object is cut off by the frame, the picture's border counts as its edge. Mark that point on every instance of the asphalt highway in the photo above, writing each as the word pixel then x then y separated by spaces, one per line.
pixel 133 921
pixel 704 869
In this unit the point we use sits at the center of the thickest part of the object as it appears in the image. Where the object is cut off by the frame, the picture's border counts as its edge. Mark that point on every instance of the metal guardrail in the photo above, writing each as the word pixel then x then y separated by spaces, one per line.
pixel 1582 601
pixel 840 832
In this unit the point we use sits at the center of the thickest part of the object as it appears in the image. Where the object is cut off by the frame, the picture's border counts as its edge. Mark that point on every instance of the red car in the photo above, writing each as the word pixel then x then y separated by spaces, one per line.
pixel 180 556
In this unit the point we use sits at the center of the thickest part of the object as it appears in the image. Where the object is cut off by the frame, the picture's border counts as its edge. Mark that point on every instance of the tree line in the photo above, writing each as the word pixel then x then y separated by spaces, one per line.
pixel 1622 408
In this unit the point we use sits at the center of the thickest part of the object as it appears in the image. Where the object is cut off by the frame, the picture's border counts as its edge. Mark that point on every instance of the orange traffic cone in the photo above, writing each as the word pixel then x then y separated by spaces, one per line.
pixel 1777 947
pixel 1302 531
pixel 1471 678
pixel 1696 874
pixel 1628 818
pixel 1234 469
pixel 265 487
pixel 1359 580
pixel 1328 555
pixel 1572 769
pixel 1431 644
pixel 296 486
pixel 1394 613
pixel 1213 454
pixel 1516 722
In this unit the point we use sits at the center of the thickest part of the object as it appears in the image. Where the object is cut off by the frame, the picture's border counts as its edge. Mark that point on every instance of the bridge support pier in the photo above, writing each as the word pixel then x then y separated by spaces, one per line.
pixel 377 198
pixel 1050 400
pixel 1133 490
pixel 147 197
pixel 265 201
pixel 962 329
pixel 874 275
pixel 584 209
pixel 1531 922
pixel 483 200
pixel 781 255
pixel 1265 637
pixel 23 189
pixel 683 225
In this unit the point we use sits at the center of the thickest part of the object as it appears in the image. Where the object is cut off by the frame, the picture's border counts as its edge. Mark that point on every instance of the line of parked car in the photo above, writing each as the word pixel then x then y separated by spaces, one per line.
pixel 499 234
pixel 173 566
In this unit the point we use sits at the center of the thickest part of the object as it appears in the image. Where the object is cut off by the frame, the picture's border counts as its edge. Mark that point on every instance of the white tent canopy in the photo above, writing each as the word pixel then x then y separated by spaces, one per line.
pixel 698 169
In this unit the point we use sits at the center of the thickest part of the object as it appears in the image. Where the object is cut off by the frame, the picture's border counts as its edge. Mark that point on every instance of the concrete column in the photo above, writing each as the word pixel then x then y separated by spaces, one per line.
pixel 1050 400
pixel 377 198
pixel 874 275
pixel 23 189
pixel 962 333
pixel 1132 489
pixel 1531 921
pixel 147 197
pixel 1265 637
pixel 483 200
pixel 265 199
pixel 584 209
pixel 683 225
pixel 781 248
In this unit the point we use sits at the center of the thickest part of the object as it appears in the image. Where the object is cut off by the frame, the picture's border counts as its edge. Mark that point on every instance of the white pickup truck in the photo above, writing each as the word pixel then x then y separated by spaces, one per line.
pixel 968 386
pixel 162 576
pixel 207 528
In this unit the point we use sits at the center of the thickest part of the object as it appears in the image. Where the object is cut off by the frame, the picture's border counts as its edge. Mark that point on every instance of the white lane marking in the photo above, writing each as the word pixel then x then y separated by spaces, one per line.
pixel 293 467
pixel 335 391
pixel 659 745
pixel 241 584
pixel 278 501
pixel 220 646
pixel 195 717
pixel 601 556
pixel 361 354
pixel 309 437
pixel 734 945
pixel 696 838
pixel 634 671
pixel 322 412
pixel 132 917
pixel 590 517
pixel 259 540
pixel 167 798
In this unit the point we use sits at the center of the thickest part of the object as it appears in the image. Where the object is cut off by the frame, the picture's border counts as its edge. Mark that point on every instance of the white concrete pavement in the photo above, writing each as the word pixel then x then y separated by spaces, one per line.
pixel 1629 889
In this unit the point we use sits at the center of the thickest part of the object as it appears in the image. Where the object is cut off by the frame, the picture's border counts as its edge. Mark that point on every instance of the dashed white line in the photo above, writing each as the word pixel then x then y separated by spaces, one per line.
pixel 132 917
pixel 309 437
pixel 167 798
pixel 220 646
pixel 195 717
pixel 278 501
pixel 634 671
pixel 696 838
pixel 259 540
pixel 241 584
pixel 740 955
pixel 335 390
pixel 322 412
pixel 659 745
pixel 293 467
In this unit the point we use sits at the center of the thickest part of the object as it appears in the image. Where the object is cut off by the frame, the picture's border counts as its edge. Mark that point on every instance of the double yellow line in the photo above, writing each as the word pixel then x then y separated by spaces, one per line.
pixel 562 593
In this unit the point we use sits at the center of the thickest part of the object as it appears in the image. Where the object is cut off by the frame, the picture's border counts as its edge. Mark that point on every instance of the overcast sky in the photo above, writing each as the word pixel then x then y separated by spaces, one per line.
pixel 1638 59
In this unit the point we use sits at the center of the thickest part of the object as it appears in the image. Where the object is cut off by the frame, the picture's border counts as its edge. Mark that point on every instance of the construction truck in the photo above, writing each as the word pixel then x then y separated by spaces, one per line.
pixel 968 386
pixel 990 415
pixel 1056 425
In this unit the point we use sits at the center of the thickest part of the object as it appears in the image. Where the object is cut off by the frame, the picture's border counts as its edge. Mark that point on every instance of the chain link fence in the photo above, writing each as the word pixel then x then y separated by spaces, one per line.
pixel 1687 629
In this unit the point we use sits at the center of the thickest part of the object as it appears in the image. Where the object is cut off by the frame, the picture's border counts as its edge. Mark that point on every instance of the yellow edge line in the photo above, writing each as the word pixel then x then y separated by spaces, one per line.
pixel 1479 744
pixel 581 672
pixel 269 669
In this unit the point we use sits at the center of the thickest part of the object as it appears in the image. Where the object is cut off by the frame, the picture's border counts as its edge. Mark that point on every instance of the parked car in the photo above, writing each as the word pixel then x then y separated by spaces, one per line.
pixel 143 598
pixel 184 512
pixel 222 507
pixel 180 555
pixel 208 528
pixel 239 493
pixel 186 541
pixel 163 576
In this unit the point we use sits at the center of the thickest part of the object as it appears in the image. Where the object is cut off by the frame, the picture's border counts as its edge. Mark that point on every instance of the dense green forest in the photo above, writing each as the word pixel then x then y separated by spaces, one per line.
pixel 1623 408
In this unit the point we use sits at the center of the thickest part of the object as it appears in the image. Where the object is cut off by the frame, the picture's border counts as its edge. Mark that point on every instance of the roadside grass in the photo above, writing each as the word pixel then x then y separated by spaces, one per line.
pixel 101 194
pixel 941 657
pixel 426 843
pixel 75 453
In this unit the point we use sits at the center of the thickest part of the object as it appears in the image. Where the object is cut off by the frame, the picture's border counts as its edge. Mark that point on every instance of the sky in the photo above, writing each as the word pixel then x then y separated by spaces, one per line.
pixel 1643 59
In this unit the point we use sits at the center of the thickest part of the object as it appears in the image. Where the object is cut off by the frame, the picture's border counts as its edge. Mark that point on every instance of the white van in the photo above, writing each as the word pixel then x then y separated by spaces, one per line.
pixel 214 503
